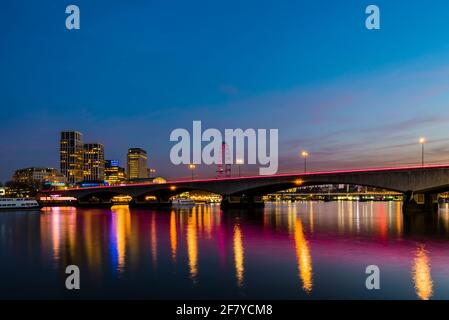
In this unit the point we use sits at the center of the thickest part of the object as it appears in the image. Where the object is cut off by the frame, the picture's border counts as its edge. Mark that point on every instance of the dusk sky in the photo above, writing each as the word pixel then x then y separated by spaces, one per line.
pixel 136 70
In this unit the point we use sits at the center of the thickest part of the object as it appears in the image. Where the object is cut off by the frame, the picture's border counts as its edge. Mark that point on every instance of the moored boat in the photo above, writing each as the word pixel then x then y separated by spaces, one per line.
pixel 183 202
pixel 18 204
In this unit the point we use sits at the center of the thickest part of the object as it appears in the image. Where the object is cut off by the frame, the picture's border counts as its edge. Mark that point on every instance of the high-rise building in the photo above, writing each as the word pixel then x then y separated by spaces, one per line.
pixel 93 162
pixel 137 163
pixel 113 173
pixel 71 155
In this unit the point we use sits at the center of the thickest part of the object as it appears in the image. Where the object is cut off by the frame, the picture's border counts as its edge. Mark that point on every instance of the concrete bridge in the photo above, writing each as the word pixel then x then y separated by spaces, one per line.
pixel 420 186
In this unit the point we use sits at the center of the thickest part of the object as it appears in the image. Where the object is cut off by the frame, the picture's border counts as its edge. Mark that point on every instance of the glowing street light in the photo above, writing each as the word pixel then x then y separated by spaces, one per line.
pixel 305 154
pixel 239 163
pixel 422 141
pixel 192 167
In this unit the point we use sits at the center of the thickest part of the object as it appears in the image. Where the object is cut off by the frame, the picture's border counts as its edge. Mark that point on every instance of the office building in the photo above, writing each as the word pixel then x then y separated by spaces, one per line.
pixel 38 175
pixel 71 155
pixel 113 173
pixel 137 164
pixel 93 162
pixel 151 173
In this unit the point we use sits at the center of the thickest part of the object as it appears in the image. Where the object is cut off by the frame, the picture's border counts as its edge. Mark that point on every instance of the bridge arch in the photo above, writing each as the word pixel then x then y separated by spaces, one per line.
pixel 100 197
pixel 167 193
pixel 280 186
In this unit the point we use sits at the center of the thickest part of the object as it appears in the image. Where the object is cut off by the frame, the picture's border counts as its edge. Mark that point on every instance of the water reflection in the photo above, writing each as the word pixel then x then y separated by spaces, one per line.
pixel 398 219
pixel 173 235
pixel 154 239
pixel 238 255
pixel 421 273
pixel 192 244
pixel 60 227
pixel 311 217
pixel 322 246
pixel 303 257
pixel 56 233
pixel 120 230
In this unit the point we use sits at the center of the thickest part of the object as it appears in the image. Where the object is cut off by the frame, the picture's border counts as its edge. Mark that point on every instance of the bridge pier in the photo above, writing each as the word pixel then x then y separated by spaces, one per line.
pixel 419 203
pixel 242 201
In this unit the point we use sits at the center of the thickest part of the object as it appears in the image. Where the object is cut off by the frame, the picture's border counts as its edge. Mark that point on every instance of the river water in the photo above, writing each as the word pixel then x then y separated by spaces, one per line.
pixel 302 250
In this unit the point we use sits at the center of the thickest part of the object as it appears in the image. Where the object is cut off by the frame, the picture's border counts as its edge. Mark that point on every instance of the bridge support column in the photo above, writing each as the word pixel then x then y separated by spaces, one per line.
pixel 243 201
pixel 419 203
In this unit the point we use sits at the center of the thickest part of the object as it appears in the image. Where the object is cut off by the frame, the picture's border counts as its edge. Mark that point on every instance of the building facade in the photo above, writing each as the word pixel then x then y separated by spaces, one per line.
pixel 93 162
pixel 38 175
pixel 71 156
pixel 137 164
pixel 113 173
pixel 151 173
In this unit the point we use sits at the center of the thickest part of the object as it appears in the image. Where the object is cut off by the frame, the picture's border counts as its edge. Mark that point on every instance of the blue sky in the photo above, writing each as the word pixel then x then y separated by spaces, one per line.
pixel 138 69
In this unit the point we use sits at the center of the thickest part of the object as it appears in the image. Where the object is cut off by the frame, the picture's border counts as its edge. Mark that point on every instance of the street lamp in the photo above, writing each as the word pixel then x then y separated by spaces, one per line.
pixel 239 162
pixel 422 141
pixel 192 167
pixel 305 154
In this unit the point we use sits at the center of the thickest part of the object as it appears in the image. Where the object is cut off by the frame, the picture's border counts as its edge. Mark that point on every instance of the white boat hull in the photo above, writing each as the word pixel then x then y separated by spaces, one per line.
pixel 183 203
pixel 18 204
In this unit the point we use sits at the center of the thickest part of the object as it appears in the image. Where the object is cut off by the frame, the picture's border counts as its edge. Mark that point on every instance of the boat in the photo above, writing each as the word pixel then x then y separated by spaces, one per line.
pixel 183 202
pixel 19 204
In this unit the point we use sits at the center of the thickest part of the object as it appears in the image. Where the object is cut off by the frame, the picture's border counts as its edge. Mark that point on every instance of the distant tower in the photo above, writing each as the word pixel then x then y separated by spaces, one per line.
pixel 225 157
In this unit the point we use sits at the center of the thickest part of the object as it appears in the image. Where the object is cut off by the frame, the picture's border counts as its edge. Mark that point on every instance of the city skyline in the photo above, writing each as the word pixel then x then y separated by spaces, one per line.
pixel 358 99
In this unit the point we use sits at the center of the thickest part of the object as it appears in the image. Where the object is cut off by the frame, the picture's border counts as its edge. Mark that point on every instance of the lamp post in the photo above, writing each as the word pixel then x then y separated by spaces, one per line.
pixel 305 154
pixel 239 163
pixel 192 167
pixel 422 141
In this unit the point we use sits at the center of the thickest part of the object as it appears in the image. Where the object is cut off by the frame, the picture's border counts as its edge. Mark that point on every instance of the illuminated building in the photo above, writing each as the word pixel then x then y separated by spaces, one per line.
pixel 71 155
pixel 113 173
pixel 93 162
pixel 159 180
pixel 137 163
pixel 38 175
pixel 151 172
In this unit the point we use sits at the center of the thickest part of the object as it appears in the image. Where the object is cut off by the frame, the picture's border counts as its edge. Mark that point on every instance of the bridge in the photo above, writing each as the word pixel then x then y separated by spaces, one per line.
pixel 420 186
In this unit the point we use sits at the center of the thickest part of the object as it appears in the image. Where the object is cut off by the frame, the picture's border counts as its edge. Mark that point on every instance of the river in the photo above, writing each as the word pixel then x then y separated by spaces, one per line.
pixel 301 250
